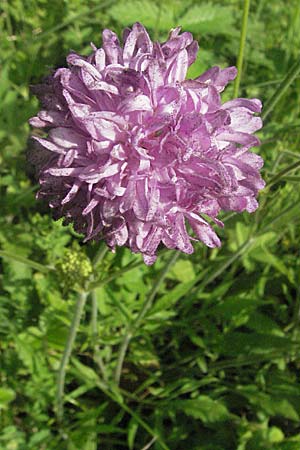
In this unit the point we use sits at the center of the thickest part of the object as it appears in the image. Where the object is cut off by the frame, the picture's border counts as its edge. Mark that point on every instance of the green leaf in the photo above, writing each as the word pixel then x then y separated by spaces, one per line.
pixel 87 374
pixel 147 12
pixel 183 270
pixel 203 408
pixel 209 18
pixel 205 59
pixel 39 437
pixel 263 324
pixel 27 262
pixel 275 435
pixel 7 395
pixel 132 430
pixel 271 404
pixel 263 255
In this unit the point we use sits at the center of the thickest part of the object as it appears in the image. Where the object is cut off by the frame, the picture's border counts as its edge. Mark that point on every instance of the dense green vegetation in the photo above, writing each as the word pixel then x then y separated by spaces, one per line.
pixel 214 363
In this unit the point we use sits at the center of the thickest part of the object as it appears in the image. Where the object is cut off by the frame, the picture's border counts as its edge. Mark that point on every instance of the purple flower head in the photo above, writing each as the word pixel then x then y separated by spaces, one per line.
pixel 136 153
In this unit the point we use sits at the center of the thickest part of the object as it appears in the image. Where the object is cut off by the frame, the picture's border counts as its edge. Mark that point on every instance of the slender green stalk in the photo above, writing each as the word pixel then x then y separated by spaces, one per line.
pixel 94 316
pixel 100 254
pixel 294 206
pixel 251 359
pixel 242 47
pixel 147 446
pixel 82 296
pixel 94 321
pixel 282 173
pixel 25 192
pixel 241 250
pixel 9 26
pixel 116 398
pixel 281 90
pixel 136 323
pixel 72 19
pixel 115 275
pixel 103 249
pixel 25 261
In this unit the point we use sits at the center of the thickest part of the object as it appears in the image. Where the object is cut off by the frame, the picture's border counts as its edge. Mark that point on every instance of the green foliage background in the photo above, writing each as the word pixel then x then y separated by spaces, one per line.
pixel 215 363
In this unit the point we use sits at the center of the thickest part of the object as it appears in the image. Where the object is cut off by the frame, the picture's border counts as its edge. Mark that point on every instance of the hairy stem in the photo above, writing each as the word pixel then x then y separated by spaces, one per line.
pixel 136 323
pixel 101 252
pixel 82 296
pixel 94 321
pixel 94 316
pixel 242 47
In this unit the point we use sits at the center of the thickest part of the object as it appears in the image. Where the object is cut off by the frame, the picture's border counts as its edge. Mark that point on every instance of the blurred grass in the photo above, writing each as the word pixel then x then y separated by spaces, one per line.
pixel 214 365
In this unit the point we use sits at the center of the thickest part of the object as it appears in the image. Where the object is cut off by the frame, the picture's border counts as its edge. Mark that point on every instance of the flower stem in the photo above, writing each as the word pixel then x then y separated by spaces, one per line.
pixel 242 47
pixel 101 252
pixel 116 275
pixel 67 353
pixel 94 316
pixel 281 90
pixel 282 173
pixel 94 320
pixel 116 397
pixel 136 323
pixel 27 262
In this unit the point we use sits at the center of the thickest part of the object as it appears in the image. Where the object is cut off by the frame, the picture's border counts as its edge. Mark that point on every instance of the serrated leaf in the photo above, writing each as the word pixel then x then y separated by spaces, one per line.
pixel 203 408
pixel 147 12
pixel 271 404
pixel 209 18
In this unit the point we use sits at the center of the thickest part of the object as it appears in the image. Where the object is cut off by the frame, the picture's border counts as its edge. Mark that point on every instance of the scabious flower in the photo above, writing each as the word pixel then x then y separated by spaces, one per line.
pixel 138 155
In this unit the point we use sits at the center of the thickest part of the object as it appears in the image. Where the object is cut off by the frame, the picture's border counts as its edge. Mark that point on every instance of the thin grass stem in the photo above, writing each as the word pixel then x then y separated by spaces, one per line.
pixel 82 296
pixel 27 262
pixel 282 173
pixel 281 90
pixel 115 275
pixel 242 47
pixel 72 19
pixel 99 256
pixel 94 328
pixel 101 252
pixel 116 398
pixel 136 323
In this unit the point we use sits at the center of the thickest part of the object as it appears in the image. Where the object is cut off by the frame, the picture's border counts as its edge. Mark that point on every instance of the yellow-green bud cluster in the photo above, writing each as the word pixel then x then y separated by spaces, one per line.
pixel 74 268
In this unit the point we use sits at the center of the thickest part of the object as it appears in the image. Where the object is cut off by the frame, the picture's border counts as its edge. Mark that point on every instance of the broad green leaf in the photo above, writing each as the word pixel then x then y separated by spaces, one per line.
pixel 7 395
pixel 275 435
pixel 234 343
pixel 147 12
pixel 263 324
pixel 209 18
pixel 203 408
pixel 273 405
pixel 183 270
